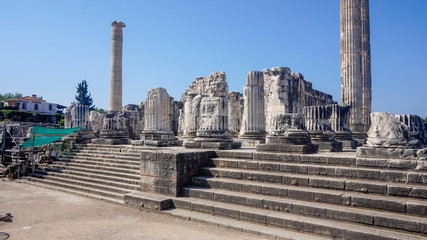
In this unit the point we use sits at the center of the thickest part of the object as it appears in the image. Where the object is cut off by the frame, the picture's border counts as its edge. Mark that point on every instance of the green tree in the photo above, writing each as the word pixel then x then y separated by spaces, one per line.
pixel 100 110
pixel 9 96
pixel 83 96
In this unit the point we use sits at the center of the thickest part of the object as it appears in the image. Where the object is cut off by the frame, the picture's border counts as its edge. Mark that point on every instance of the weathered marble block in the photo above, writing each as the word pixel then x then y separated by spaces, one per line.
pixel 287 92
pixel 77 115
pixel 114 131
pixel 318 121
pixel 157 129
pixel 234 117
pixel 388 138
pixel 287 134
pixel 417 128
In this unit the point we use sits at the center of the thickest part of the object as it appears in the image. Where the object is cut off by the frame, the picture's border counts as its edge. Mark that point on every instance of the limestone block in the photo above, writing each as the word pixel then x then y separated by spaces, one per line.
pixel 386 131
pixel 158 110
pixel 96 120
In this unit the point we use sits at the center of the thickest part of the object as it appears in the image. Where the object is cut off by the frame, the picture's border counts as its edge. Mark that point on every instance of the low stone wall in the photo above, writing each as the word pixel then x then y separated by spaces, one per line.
pixel 168 171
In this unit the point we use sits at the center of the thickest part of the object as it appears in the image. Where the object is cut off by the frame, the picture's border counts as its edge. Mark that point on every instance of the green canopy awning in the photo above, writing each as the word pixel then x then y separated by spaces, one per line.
pixel 44 135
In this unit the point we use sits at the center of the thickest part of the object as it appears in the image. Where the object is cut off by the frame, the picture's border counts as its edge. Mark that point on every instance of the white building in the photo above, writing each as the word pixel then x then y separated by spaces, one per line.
pixel 34 104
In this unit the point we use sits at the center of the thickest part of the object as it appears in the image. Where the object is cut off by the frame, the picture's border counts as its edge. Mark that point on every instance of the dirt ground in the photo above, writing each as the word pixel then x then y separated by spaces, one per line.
pixel 41 213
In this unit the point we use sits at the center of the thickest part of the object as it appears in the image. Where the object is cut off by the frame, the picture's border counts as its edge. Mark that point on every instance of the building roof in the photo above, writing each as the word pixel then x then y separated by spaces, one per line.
pixel 28 98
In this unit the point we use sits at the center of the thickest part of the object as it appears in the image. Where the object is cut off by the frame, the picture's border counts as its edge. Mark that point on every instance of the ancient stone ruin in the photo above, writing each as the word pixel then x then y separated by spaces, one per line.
pixel 77 115
pixel 253 121
pixel 158 124
pixel 287 92
pixel 388 138
pixel 208 113
pixel 356 90
pixel 319 121
pixel 287 134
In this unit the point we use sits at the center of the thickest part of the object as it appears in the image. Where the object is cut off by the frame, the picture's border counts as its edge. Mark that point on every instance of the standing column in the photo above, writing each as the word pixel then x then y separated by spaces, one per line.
pixel 253 120
pixel 116 66
pixel 234 117
pixel 356 62
pixel 366 65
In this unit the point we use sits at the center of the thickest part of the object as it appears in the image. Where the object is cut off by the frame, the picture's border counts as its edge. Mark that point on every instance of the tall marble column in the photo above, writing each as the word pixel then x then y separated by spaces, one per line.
pixel 253 121
pixel 116 66
pixel 356 62
pixel 366 65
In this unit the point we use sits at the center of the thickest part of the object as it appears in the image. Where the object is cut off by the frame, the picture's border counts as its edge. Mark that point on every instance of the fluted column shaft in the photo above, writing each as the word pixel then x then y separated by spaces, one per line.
pixel 157 111
pixel 356 62
pixel 116 66
pixel 253 120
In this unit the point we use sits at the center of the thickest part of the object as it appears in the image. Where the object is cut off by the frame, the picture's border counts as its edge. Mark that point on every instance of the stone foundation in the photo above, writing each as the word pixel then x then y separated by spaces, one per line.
pixel 167 172
pixel 392 153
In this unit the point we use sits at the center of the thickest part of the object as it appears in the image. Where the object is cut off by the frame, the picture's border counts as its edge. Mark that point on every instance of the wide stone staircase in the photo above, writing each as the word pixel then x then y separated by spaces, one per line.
pixel 309 196
pixel 95 171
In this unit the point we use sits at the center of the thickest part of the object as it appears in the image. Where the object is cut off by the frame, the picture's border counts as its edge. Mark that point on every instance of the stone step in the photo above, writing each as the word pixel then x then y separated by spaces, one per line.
pixel 134 157
pixel 332 171
pixel 243 226
pixel 79 188
pixel 102 197
pixel 93 179
pixel 84 183
pixel 113 173
pixel 331 196
pixel 306 224
pixel 314 209
pixel 106 160
pixel 114 148
pixel 106 167
pixel 308 194
pixel 336 159
pixel 107 154
pixel 100 162
pixel 318 181
pixel 132 179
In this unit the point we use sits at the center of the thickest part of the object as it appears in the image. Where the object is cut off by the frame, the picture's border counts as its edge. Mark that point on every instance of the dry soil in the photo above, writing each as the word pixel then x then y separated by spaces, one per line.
pixel 41 213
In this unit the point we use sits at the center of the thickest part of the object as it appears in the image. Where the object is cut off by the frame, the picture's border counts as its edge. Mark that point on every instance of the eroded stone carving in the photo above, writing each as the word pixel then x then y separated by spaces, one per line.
pixel 206 113
pixel 318 121
pixel 388 138
pixel 77 115
pixel 96 121
pixel 287 92
pixel 416 126
pixel 386 131
pixel 287 134
pixel 234 117
pixel 157 128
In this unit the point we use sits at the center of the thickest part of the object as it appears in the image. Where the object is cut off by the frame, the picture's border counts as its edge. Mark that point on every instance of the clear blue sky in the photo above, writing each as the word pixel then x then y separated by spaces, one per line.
pixel 48 47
